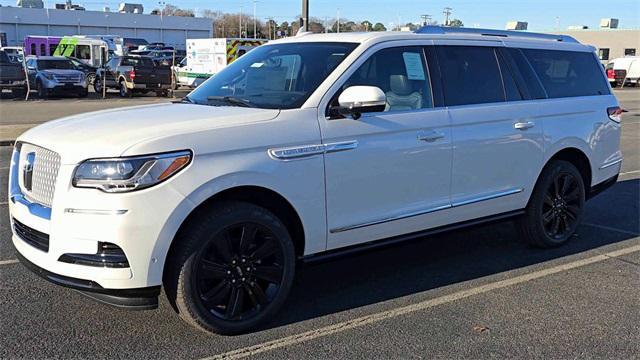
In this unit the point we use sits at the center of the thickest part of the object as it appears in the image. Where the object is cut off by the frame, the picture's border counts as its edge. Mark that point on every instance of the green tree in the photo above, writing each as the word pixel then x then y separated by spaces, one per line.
pixel 455 23
pixel 366 25
pixel 379 27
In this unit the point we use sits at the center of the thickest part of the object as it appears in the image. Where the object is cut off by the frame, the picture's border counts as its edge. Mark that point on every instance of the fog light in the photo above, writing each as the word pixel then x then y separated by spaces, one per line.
pixel 108 256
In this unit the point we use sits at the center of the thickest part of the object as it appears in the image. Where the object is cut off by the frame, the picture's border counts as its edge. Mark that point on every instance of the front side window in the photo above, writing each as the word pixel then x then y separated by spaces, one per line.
pixel 83 52
pixel 470 75
pixel 279 76
pixel 401 73
pixel 568 73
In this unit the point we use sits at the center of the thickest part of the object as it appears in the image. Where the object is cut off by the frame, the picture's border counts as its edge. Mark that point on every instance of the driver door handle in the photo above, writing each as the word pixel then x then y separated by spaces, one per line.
pixel 524 125
pixel 430 136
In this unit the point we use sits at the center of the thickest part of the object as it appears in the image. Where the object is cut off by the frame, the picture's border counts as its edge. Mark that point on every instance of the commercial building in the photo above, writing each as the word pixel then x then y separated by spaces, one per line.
pixel 16 23
pixel 611 43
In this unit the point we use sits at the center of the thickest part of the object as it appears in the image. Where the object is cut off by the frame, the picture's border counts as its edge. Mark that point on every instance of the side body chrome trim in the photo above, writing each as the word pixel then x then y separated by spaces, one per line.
pixel 429 210
pixel 95 212
pixel 16 195
pixel 610 164
pixel 304 151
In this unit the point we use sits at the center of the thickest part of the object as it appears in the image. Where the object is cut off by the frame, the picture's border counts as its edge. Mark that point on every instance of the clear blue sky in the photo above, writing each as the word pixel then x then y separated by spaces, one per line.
pixel 541 14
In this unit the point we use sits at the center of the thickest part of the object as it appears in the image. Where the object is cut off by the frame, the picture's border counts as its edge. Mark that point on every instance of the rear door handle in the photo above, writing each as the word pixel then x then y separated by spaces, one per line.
pixel 524 125
pixel 430 136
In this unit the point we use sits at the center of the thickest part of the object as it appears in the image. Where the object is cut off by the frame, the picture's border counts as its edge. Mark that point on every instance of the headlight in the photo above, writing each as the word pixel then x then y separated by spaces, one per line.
pixel 49 76
pixel 129 174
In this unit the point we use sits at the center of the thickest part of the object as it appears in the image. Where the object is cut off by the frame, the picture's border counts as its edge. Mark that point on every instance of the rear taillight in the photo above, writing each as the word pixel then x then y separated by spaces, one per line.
pixel 611 74
pixel 132 75
pixel 615 113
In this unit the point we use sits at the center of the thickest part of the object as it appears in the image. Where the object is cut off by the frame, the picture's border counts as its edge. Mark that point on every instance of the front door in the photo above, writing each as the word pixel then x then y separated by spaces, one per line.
pixel 387 173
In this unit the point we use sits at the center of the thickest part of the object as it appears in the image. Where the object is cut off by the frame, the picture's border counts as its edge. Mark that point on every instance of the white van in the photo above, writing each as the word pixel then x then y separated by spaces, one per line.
pixel 313 146
pixel 624 71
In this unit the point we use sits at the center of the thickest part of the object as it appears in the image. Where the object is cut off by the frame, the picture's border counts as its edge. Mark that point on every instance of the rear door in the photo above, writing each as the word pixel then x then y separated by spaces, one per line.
pixel 498 142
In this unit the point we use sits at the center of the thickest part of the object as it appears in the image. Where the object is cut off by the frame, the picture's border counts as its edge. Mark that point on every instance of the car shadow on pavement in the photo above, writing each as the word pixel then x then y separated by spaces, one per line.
pixel 435 262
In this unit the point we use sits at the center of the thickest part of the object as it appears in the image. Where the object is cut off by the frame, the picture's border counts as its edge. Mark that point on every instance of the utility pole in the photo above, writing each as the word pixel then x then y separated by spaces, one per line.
pixel 304 20
pixel 426 19
pixel 255 22
pixel 338 21
pixel 240 23
pixel 447 13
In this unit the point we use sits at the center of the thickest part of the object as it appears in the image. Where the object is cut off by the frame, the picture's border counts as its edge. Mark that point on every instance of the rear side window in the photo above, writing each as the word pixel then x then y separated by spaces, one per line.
pixel 470 75
pixel 568 73
pixel 529 77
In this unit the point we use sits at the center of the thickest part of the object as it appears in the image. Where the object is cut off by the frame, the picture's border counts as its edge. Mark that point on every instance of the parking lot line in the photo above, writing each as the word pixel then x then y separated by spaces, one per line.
pixel 609 228
pixel 9 262
pixel 377 317
pixel 630 172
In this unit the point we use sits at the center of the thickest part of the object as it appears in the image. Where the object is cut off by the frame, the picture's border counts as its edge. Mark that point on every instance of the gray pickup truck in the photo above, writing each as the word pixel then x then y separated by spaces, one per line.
pixel 130 74
pixel 12 76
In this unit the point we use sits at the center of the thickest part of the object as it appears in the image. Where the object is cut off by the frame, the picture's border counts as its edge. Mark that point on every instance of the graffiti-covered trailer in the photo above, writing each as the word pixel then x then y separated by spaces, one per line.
pixel 87 50
pixel 206 57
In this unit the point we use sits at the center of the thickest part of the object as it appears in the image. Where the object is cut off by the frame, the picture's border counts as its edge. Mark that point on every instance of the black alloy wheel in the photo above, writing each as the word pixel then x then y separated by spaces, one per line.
pixel 239 272
pixel 562 207
pixel 556 206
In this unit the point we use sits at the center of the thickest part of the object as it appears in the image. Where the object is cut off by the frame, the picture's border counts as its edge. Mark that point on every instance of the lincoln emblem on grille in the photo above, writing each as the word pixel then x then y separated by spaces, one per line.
pixel 27 171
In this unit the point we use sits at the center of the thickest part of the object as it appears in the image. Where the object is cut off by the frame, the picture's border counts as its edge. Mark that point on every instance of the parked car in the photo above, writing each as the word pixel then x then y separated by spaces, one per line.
pixel 130 74
pixel 625 70
pixel 55 75
pixel 88 70
pixel 309 147
pixel 12 76
pixel 162 57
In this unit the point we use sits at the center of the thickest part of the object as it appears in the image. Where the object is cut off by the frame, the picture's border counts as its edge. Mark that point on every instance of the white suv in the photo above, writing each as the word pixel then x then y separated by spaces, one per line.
pixel 310 146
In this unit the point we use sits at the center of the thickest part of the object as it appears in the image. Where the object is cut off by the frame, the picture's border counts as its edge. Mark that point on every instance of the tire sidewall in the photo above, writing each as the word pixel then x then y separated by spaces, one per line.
pixel 229 214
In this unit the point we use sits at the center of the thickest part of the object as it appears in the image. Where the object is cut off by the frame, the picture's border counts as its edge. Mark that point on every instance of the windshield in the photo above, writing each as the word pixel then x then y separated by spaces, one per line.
pixel 55 65
pixel 279 76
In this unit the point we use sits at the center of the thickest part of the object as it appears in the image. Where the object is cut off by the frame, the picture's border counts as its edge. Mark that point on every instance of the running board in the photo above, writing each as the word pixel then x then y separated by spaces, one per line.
pixel 359 248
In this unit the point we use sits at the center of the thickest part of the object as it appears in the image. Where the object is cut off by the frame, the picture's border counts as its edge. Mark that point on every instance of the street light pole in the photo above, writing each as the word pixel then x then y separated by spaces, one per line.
pixel 255 23
pixel 240 23
pixel 304 20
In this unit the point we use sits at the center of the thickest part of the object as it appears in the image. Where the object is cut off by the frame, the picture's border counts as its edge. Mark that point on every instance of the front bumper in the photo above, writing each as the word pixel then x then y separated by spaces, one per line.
pixel 16 84
pixel 133 299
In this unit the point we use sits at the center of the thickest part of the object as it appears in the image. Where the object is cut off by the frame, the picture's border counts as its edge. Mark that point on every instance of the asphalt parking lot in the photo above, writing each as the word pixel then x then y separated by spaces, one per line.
pixel 476 293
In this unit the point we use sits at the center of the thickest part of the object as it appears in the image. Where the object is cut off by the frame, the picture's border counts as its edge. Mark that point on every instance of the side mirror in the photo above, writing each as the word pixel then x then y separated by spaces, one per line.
pixel 31 68
pixel 356 100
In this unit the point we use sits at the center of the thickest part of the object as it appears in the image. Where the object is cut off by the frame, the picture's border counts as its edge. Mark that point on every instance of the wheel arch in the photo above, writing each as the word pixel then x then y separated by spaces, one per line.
pixel 254 194
pixel 578 158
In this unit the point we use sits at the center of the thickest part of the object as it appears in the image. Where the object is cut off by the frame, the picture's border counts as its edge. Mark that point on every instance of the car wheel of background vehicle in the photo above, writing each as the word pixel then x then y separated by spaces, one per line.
pixel 231 269
pixel 163 93
pixel 43 93
pixel 91 78
pixel 97 85
pixel 124 91
pixel 18 93
pixel 556 206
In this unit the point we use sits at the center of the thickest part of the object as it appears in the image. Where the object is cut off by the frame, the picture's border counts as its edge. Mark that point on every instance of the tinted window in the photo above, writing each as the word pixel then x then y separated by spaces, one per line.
pixel 470 75
pixel 55 64
pixel 4 58
pixel 136 61
pixel 83 52
pixel 511 91
pixel 529 77
pixel 401 74
pixel 629 52
pixel 568 73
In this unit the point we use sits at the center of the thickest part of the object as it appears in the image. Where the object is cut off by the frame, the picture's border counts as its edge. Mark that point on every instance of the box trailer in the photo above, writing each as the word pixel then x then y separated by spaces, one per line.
pixel 206 57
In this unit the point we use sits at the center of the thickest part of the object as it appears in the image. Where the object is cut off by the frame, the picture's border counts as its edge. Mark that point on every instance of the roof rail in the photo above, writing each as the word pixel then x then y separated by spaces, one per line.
pixel 441 30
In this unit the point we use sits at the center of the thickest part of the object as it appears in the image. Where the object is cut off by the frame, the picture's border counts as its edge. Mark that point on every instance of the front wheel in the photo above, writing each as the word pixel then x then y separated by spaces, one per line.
pixel 97 85
pixel 124 91
pixel 232 268
pixel 43 92
pixel 556 207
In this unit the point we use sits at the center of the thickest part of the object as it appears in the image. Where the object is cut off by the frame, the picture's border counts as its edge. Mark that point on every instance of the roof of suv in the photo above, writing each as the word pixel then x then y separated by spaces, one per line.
pixel 433 33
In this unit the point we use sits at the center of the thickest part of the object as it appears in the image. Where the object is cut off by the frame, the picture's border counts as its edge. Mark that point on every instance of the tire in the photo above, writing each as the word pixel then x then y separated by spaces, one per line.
pixel 18 93
pixel 124 91
pixel 91 78
pixel 97 85
pixel 162 93
pixel 556 207
pixel 83 94
pixel 206 280
pixel 43 93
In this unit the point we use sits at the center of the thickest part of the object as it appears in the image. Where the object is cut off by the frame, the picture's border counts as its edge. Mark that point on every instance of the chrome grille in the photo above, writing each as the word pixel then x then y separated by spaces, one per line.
pixel 71 79
pixel 45 173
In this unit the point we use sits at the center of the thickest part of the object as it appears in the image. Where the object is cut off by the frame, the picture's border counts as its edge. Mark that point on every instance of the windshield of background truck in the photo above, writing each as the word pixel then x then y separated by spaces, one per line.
pixel 279 76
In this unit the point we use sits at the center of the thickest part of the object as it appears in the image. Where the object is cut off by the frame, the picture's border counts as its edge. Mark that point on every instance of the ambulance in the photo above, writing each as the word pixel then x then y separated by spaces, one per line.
pixel 206 57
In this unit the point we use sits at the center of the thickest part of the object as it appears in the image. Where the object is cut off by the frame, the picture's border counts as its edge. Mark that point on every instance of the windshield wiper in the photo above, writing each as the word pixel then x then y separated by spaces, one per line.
pixel 231 100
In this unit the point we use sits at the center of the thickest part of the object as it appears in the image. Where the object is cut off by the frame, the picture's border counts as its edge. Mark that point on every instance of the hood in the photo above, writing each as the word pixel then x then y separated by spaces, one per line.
pixel 110 133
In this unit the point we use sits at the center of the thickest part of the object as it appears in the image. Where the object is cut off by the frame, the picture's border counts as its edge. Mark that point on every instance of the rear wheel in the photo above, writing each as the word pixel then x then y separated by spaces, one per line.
pixel 91 78
pixel 97 85
pixel 556 207
pixel 124 91
pixel 232 268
